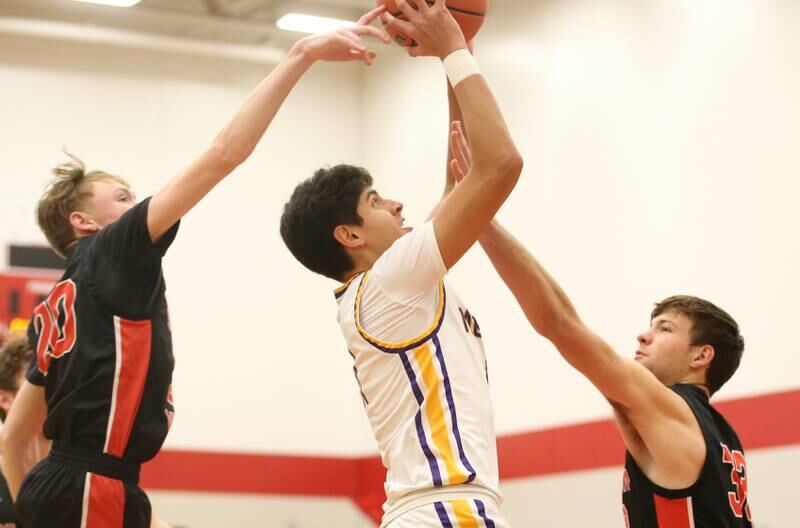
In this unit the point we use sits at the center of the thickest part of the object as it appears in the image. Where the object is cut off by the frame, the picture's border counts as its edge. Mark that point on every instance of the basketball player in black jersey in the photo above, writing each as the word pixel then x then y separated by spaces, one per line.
pixel 15 355
pixel 100 382
pixel 684 465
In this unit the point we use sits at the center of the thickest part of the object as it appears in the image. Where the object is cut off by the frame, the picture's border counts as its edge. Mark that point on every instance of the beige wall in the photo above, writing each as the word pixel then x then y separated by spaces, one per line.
pixel 659 146
pixel 659 138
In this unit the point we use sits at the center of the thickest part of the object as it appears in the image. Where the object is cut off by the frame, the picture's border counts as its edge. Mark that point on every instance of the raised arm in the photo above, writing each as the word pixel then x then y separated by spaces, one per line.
pixel 234 144
pixel 19 442
pixel 496 164
pixel 553 316
pixel 453 129
pixel 669 434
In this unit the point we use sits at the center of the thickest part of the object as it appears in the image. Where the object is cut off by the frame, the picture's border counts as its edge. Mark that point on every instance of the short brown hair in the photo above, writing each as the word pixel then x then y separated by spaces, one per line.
pixel 14 356
pixel 68 192
pixel 713 326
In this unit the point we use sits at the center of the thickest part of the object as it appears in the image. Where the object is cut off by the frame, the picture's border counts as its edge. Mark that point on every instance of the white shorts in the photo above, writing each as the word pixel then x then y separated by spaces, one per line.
pixel 466 513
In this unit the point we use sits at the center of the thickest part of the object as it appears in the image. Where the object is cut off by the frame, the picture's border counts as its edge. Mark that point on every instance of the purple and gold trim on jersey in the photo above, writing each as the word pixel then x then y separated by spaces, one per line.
pixel 435 420
pixel 452 406
pixel 338 292
pixel 463 514
pixel 401 346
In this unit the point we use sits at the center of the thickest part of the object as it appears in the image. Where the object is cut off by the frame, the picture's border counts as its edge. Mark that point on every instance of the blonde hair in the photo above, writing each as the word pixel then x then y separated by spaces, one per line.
pixel 68 192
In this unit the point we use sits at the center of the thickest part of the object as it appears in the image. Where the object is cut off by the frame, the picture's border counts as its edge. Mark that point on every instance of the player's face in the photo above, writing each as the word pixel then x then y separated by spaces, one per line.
pixel 382 221
pixel 665 348
pixel 109 201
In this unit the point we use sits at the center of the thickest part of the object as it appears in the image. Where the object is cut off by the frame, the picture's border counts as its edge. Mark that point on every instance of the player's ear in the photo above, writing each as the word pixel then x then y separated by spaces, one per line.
pixel 82 223
pixel 347 236
pixel 703 356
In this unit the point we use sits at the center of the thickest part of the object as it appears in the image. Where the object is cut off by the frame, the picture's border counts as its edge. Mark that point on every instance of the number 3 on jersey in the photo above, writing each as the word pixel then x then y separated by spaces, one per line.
pixel 54 323
pixel 738 499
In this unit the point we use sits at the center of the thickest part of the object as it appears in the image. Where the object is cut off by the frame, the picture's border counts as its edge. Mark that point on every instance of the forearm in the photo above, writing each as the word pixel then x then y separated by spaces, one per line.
pixel 240 137
pixel 19 441
pixel 454 114
pixel 542 300
pixel 490 140
pixel 16 462
pixel 230 147
pixel 553 316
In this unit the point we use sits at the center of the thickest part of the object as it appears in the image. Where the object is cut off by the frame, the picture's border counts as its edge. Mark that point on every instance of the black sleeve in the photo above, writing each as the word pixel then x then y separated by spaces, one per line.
pixel 126 264
pixel 33 375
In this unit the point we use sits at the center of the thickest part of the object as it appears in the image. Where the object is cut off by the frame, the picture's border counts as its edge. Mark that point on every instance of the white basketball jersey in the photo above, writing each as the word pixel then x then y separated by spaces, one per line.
pixel 421 367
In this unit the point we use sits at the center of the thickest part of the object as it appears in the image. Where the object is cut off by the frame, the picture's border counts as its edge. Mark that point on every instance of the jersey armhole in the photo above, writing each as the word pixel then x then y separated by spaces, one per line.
pixel 400 346
pixel 688 491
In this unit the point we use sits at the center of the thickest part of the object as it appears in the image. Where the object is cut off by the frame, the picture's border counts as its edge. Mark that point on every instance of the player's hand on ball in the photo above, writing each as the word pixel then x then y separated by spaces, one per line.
pixel 433 29
pixel 346 44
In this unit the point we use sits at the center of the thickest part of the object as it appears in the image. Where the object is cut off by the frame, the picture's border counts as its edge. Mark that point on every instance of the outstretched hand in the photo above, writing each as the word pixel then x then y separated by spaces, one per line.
pixel 431 27
pixel 462 155
pixel 346 44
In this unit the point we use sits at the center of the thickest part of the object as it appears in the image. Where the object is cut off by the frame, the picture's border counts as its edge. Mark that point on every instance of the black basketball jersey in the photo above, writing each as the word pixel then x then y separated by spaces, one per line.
pixel 6 506
pixel 103 344
pixel 719 497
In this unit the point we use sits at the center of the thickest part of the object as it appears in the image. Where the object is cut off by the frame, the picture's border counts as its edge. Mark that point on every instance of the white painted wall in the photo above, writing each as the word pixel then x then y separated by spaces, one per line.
pixel 659 140
pixel 250 374
pixel 660 148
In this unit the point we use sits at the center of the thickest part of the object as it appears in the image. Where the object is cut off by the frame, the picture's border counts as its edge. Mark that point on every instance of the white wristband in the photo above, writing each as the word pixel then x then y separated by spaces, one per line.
pixel 459 65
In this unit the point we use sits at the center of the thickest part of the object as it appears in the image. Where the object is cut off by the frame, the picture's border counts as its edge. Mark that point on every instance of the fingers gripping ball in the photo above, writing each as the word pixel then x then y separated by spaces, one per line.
pixel 468 13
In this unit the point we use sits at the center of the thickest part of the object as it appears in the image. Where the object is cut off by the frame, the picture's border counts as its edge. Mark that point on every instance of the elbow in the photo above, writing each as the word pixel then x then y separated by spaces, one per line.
pixel 225 157
pixel 509 163
pixel 513 163
pixel 506 166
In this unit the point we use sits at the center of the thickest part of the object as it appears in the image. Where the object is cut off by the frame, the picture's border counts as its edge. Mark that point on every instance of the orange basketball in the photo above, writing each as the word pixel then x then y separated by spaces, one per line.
pixel 468 13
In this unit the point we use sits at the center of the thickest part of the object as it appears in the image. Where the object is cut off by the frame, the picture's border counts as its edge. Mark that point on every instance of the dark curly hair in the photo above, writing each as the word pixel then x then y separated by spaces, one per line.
pixel 319 204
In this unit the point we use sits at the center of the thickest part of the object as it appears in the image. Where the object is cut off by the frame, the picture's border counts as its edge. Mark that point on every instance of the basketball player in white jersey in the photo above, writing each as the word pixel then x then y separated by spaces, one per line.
pixel 417 348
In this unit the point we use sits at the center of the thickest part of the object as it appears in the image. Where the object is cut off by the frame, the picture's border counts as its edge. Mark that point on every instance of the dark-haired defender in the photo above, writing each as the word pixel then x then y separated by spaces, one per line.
pixel 684 466
pixel 100 383
pixel 417 349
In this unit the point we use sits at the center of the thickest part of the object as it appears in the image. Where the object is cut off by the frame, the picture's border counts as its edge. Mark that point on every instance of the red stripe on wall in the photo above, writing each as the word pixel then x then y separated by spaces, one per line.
pixel 133 353
pixel 106 503
pixel 251 473
pixel 761 421
pixel 576 447
pixel 768 420
pixel 673 513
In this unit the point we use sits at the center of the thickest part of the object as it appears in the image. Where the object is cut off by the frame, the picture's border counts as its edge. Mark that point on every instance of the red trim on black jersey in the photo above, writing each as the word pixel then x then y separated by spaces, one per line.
pixel 674 513
pixel 133 359
pixel 105 505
